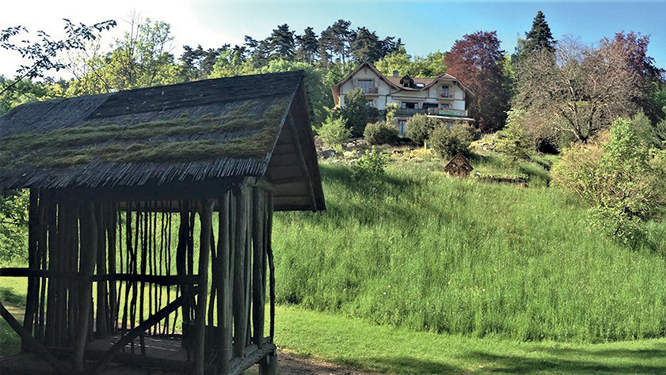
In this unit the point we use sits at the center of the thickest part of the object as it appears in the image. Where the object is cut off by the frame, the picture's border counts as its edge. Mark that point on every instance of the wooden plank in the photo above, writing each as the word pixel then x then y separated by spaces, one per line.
pixel 206 217
pixel 102 301
pixel 88 260
pixel 251 358
pixel 32 343
pixel 224 286
pixel 145 325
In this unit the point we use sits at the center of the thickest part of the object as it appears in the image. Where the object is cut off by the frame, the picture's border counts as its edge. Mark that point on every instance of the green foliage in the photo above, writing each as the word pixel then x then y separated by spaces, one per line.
pixel 513 139
pixel 419 127
pixel 618 179
pixel 357 113
pixel 333 132
pixel 390 111
pixel 371 166
pixel 429 66
pixel 13 225
pixel 450 142
pixel 378 133
pixel 455 256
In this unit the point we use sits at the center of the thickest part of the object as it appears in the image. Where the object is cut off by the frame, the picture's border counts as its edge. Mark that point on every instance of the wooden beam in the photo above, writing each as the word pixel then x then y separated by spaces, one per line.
pixel 240 229
pixel 251 358
pixel 32 297
pixel 258 275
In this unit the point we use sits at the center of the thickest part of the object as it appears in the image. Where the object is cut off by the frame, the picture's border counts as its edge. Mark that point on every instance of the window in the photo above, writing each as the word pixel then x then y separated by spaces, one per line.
pixel 419 85
pixel 410 105
pixel 445 92
pixel 370 103
pixel 401 127
pixel 445 106
pixel 365 85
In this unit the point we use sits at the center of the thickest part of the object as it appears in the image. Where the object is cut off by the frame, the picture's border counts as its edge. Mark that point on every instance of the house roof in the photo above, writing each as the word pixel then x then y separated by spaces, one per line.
pixel 246 126
pixel 394 82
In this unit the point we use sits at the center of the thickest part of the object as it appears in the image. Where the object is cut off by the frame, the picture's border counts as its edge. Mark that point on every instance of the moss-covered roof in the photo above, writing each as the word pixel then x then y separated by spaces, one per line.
pixel 198 130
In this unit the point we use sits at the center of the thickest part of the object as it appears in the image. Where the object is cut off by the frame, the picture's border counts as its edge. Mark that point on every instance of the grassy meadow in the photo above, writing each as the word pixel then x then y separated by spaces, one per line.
pixel 430 253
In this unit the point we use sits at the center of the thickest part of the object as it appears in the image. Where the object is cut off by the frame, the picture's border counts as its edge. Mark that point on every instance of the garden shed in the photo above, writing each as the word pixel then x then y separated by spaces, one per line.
pixel 150 221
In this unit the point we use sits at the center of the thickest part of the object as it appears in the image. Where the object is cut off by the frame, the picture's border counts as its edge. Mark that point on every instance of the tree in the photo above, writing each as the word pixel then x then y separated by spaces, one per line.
pixel 366 46
pixel 198 63
pixel 430 66
pixel 43 54
pixel 335 39
pixel 618 179
pixel 578 91
pixel 539 38
pixel 308 46
pixel 141 58
pixel 281 43
pixel 649 77
pixel 357 113
pixel 478 62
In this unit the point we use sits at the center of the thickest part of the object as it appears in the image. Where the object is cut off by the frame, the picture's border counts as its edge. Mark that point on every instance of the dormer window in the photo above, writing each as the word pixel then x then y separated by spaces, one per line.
pixel 406 81
pixel 419 85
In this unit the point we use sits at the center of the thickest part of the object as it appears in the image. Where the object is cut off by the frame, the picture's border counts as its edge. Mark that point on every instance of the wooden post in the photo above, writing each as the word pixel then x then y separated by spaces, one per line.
pixel 206 217
pixel 258 281
pixel 88 260
pixel 111 238
pixel 32 298
pixel 224 286
pixel 269 365
pixel 248 265
pixel 102 305
pixel 240 319
pixel 271 264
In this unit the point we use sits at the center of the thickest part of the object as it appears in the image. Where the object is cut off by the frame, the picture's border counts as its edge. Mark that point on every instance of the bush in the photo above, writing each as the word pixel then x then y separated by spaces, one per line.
pixel 514 140
pixel 419 128
pixel 618 180
pixel 370 166
pixel 333 132
pixel 450 142
pixel 357 113
pixel 380 133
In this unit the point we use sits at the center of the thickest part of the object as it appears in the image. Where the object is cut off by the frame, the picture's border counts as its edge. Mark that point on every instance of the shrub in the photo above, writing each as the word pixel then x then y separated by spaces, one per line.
pixel 371 165
pixel 450 142
pixel 617 179
pixel 514 140
pixel 333 132
pixel 380 133
pixel 419 127
pixel 357 113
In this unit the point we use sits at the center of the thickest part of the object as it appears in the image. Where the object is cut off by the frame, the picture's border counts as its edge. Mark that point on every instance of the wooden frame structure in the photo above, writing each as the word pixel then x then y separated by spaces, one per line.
pixel 115 267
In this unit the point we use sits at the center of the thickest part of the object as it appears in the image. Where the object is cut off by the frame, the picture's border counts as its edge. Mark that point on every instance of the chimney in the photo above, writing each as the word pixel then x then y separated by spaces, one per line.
pixel 395 73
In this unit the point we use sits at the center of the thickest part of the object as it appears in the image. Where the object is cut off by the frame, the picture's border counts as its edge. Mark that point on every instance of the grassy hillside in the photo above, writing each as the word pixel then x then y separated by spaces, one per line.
pixel 421 250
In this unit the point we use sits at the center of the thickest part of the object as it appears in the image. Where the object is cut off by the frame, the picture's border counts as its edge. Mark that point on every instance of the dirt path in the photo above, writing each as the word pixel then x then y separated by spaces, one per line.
pixel 290 364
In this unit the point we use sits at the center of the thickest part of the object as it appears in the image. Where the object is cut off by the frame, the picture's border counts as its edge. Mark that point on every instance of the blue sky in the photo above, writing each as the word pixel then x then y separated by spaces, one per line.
pixel 424 26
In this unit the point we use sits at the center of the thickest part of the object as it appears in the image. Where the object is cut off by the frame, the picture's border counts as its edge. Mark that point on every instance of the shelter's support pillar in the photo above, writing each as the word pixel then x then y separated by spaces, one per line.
pixel 88 261
pixel 224 284
pixel 32 298
pixel 269 365
pixel 206 215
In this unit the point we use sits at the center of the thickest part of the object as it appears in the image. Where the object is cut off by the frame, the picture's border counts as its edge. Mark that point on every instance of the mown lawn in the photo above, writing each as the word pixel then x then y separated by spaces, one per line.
pixel 359 344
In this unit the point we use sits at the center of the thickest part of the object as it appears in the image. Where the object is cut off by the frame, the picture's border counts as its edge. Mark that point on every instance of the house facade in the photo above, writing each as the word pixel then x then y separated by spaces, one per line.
pixel 444 97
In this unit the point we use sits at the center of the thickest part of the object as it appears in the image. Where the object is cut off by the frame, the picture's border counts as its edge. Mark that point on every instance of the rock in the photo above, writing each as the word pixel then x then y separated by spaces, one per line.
pixel 325 154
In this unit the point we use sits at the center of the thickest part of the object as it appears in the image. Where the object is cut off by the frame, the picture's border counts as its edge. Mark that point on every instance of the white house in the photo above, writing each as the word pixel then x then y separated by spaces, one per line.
pixel 443 97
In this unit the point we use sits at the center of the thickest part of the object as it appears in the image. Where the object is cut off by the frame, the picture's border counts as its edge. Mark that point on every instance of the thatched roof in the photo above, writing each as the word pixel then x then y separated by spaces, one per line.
pixel 199 131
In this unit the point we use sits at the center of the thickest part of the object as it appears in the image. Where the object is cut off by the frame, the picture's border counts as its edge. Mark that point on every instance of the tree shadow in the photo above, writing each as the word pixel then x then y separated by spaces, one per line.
pixel 8 295
pixel 404 365
pixel 559 360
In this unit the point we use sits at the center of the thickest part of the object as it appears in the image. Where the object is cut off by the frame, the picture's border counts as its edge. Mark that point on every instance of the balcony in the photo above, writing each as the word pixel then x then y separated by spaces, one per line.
pixel 408 112
pixel 447 112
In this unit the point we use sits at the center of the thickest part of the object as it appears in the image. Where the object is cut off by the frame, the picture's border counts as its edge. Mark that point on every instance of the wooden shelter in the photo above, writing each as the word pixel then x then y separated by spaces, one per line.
pixel 154 206
pixel 458 166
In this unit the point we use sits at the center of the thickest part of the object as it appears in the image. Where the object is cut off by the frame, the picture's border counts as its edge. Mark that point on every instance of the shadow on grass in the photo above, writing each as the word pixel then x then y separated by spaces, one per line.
pixel 595 362
pixel 404 365
pixel 7 295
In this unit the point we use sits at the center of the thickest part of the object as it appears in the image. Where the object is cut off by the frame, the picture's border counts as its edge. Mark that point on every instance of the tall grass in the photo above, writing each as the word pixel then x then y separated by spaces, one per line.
pixel 432 253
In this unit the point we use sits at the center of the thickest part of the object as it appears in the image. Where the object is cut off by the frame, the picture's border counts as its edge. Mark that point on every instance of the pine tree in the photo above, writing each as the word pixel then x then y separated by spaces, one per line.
pixel 281 43
pixel 366 46
pixel 308 46
pixel 539 37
